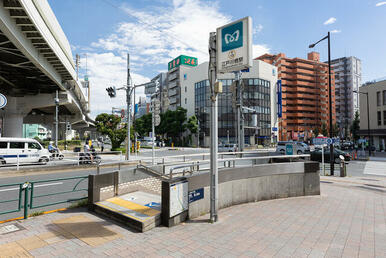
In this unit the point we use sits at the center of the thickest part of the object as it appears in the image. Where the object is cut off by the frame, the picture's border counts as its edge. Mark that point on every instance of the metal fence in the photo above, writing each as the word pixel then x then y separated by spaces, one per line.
pixel 27 194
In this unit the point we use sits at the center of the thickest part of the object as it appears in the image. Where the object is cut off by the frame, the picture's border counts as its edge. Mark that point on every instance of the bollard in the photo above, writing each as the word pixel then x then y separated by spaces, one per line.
pixel 26 189
pixel 342 168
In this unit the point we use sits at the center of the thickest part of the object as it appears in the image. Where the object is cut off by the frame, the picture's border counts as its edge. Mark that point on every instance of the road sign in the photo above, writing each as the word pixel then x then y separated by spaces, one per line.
pixel 279 100
pixel 157 120
pixel 166 103
pixel 3 101
pixel 329 141
pixel 234 46
pixel 289 149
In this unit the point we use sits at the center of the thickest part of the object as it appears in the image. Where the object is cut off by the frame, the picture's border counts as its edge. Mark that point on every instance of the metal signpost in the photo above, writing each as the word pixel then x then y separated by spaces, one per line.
pixel 230 50
pixel 155 121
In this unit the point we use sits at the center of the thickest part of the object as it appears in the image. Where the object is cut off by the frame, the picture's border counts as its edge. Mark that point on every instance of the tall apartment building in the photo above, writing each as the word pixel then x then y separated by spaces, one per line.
pixel 177 69
pixel 305 99
pixel 348 77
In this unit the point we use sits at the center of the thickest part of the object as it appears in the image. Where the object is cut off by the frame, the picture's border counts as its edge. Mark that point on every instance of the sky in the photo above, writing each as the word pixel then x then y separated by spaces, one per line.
pixel 154 32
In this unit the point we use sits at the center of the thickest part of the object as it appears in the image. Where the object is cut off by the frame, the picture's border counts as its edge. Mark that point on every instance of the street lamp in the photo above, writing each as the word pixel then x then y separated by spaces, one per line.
pixel 329 100
pixel 368 117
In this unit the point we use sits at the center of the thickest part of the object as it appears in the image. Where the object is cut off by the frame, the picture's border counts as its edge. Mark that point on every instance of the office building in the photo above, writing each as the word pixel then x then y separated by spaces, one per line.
pixel 305 96
pixel 348 77
pixel 177 70
pixel 259 93
pixel 377 106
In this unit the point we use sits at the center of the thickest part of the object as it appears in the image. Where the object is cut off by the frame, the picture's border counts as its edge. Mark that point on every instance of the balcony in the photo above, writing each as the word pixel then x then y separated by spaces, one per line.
pixel 173 92
pixel 172 76
pixel 172 84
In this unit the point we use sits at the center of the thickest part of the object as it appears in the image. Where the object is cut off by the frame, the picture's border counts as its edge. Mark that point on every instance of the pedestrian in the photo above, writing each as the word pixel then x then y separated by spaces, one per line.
pixel 102 146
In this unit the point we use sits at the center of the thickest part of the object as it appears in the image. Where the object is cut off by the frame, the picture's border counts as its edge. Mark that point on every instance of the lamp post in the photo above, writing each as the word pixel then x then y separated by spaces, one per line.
pixel 329 100
pixel 368 117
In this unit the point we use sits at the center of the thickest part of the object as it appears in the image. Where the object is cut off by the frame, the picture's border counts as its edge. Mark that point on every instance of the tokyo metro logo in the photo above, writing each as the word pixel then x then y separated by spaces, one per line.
pixel 232 36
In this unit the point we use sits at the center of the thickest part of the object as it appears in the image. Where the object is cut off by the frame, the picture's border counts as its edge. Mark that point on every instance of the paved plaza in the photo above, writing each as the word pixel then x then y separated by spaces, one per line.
pixel 347 220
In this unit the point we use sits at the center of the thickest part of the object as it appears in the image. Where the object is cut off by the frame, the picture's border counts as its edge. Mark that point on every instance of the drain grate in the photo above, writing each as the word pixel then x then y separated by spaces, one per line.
pixel 10 229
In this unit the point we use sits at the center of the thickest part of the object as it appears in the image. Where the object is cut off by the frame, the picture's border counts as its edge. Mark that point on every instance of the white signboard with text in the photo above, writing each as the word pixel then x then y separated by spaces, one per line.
pixel 179 198
pixel 234 46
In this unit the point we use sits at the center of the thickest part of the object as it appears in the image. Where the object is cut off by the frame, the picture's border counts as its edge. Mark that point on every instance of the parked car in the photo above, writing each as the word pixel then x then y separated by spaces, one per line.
pixel 298 147
pixel 22 150
pixel 227 147
pixel 316 155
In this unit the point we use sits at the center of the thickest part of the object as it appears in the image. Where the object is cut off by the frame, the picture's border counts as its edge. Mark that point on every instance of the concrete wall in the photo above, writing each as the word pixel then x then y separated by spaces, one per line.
pixel 104 186
pixel 261 182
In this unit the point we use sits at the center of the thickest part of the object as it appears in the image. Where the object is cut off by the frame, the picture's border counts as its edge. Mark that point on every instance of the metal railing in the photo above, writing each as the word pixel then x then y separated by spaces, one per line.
pixel 67 158
pixel 30 196
pixel 194 166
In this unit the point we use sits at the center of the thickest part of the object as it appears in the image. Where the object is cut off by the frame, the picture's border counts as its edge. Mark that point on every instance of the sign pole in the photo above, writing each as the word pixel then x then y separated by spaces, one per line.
pixel 128 100
pixel 152 132
pixel 213 130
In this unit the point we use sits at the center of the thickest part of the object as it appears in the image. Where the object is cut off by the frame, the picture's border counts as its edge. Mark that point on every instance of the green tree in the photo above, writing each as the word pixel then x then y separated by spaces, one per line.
pixel 142 125
pixel 108 125
pixel 324 129
pixel 335 130
pixel 172 123
pixel 192 124
pixel 316 131
pixel 354 129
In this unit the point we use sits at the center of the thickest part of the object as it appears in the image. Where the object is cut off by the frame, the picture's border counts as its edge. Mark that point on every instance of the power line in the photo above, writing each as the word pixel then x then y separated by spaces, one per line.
pixel 154 27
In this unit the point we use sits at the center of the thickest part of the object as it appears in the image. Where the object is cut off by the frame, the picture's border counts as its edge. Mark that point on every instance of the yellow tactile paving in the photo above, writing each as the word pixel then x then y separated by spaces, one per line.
pixel 31 243
pixel 128 215
pixel 89 231
pixel 134 206
pixel 13 249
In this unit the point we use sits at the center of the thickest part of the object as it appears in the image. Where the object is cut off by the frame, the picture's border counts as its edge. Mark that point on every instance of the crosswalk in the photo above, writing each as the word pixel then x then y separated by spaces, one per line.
pixel 375 168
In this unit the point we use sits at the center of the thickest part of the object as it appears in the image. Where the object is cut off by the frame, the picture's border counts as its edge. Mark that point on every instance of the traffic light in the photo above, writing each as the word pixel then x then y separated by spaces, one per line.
pixel 68 126
pixel 111 91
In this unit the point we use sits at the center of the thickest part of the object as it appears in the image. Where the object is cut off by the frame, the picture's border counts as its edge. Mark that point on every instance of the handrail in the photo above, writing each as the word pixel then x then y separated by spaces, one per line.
pixel 197 163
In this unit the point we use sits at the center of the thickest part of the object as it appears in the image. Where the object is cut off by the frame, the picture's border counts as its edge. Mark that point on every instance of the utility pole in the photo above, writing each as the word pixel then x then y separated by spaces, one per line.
pixel 240 126
pixel 213 130
pixel 128 100
pixel 56 118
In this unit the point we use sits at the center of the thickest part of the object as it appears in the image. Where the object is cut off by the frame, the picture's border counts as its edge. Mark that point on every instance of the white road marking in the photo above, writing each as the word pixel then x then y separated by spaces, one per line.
pixel 36 186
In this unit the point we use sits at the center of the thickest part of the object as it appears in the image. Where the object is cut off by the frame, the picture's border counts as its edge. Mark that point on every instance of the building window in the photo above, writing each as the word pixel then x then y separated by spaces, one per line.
pixel 384 117
pixel 379 118
pixel 378 98
pixel 185 88
pixel 185 100
pixel 384 97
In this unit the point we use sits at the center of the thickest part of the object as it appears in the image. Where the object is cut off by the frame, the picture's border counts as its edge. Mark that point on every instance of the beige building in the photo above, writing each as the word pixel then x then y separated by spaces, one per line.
pixel 377 106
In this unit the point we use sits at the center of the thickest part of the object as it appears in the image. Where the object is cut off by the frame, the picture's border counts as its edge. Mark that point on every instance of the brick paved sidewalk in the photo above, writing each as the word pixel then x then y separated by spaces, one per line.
pixel 347 220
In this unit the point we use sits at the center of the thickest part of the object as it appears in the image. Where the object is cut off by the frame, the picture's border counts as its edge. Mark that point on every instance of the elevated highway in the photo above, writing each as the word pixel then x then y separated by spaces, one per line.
pixel 35 62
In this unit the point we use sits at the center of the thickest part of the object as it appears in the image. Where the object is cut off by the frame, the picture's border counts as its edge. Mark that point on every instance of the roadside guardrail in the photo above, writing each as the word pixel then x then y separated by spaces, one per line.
pixel 27 194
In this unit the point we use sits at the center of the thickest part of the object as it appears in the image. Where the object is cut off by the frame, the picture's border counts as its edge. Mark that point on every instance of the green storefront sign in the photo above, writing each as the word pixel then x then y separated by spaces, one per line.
pixel 182 60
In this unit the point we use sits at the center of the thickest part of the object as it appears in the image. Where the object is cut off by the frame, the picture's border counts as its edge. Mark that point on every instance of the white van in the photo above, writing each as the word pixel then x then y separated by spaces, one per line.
pixel 28 150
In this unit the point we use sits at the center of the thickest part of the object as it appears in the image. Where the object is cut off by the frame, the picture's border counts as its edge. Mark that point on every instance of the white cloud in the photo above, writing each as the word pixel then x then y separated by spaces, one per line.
pixel 335 31
pixel 181 27
pixel 154 37
pixel 259 50
pixel 330 21
pixel 106 70
pixel 257 28
pixel 380 4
